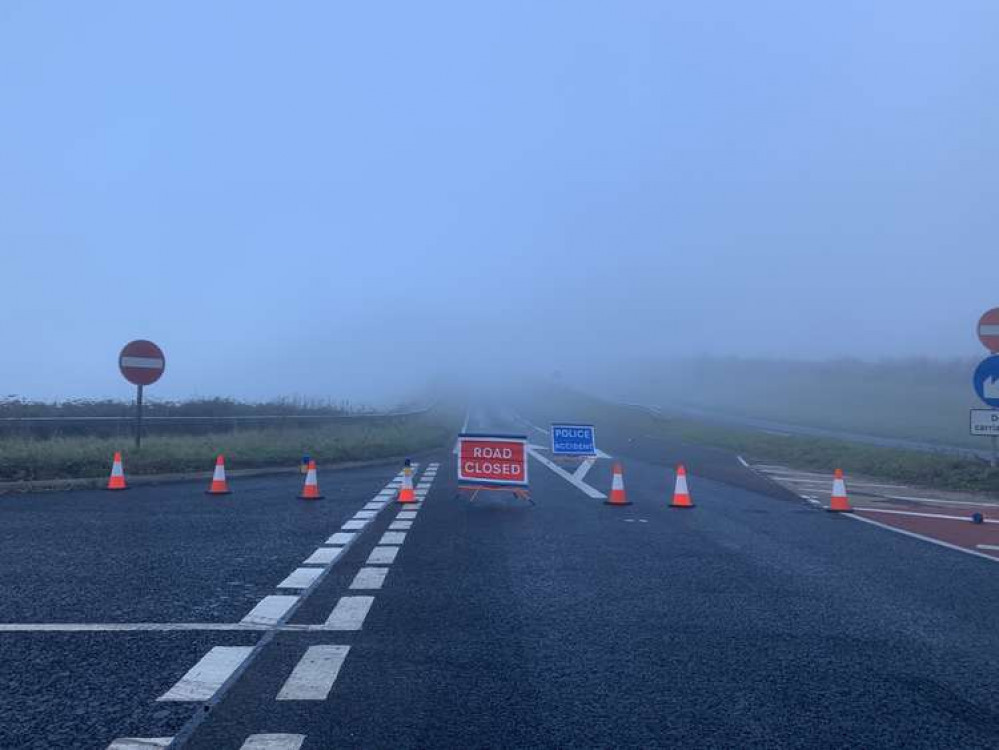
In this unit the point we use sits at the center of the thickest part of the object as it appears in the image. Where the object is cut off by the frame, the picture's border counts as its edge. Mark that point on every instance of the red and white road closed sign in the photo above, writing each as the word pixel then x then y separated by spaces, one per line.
pixel 988 330
pixel 492 459
pixel 141 362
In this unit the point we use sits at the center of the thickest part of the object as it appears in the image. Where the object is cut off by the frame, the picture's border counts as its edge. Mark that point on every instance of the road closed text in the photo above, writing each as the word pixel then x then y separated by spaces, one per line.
pixel 493 460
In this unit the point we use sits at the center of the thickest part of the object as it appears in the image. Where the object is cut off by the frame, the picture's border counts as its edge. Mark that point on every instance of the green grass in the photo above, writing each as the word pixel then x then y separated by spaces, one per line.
pixel 80 457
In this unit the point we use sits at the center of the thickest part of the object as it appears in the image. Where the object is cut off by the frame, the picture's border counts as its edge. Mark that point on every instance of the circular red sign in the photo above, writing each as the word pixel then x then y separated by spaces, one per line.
pixel 141 362
pixel 988 330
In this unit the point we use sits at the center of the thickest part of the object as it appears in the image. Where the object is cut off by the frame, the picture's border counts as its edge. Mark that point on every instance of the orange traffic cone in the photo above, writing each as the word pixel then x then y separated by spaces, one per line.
pixel 617 496
pixel 406 491
pixel 839 503
pixel 117 480
pixel 218 486
pixel 681 496
pixel 311 489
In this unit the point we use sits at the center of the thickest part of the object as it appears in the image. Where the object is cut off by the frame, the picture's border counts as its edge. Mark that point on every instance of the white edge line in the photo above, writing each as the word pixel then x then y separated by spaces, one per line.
pixel 914 535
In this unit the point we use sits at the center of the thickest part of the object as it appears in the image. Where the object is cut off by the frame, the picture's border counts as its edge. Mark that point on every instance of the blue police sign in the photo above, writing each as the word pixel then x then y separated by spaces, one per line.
pixel 575 439
pixel 987 381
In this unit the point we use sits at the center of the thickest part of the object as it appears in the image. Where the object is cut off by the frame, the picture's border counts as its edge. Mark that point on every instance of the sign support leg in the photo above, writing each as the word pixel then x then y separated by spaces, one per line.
pixel 138 417
pixel 995 452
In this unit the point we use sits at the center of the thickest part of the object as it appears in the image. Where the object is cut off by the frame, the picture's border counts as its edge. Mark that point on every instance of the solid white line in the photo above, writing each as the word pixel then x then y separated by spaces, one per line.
pixel 382 555
pixel 349 613
pixel 340 538
pixel 401 525
pixel 966 519
pixel 369 578
pixel 314 675
pixel 931 540
pixel 354 525
pixel 393 537
pixel 590 491
pixel 300 578
pixel 323 556
pixel 205 678
pixel 140 743
pixel 988 546
pixel 270 609
pixel 273 742
pixel 406 515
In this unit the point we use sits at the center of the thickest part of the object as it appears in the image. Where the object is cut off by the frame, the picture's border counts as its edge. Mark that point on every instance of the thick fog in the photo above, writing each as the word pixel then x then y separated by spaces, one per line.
pixel 348 200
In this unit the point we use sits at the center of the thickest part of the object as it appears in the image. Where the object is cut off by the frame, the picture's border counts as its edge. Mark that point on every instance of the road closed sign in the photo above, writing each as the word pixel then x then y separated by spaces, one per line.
pixel 492 460
pixel 985 421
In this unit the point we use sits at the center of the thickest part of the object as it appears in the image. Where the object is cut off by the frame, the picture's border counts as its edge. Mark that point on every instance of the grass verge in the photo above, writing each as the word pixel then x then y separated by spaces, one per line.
pixel 23 459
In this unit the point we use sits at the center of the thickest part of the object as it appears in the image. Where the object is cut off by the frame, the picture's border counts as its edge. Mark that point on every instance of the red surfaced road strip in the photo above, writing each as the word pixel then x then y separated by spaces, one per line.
pixel 960 532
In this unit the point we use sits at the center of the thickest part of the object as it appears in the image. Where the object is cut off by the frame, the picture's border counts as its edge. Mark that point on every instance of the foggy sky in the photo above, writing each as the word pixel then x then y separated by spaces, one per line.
pixel 345 199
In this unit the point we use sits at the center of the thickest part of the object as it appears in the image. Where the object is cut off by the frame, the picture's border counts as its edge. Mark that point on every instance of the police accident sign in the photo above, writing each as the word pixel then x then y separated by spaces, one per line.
pixel 574 440
pixel 492 459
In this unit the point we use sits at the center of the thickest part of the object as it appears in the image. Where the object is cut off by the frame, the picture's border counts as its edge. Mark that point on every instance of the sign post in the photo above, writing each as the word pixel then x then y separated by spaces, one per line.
pixel 141 363
pixel 986 375
pixel 493 462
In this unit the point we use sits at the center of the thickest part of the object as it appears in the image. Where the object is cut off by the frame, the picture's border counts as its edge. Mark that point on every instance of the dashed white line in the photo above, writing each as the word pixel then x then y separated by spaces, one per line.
pixel 382 555
pixel 314 675
pixel 323 556
pixel 140 743
pixel 301 578
pixel 401 525
pixel 203 679
pixel 273 742
pixel 369 578
pixel 393 537
pixel 354 525
pixel 406 515
pixel 270 609
pixel 374 506
pixel 349 613
pixel 366 514
pixel 341 538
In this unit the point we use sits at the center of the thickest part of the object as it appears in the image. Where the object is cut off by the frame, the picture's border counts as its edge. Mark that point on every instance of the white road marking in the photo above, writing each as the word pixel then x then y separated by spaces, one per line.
pixel 931 540
pixel 140 743
pixel 354 525
pixel 401 525
pixel 393 537
pixel 988 546
pixel 935 501
pixel 270 609
pixel 587 489
pixel 314 675
pixel 581 471
pixel 153 627
pixel 743 461
pixel 301 578
pixel 406 515
pixel 204 679
pixel 341 538
pixel 369 578
pixel 323 556
pixel 382 555
pixel 273 742
pixel 349 613
pixel 374 506
pixel 966 519
pixel 366 514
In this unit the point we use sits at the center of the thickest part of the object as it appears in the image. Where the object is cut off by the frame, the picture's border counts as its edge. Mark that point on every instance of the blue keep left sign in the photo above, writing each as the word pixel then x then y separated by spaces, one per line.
pixel 986 381
pixel 574 440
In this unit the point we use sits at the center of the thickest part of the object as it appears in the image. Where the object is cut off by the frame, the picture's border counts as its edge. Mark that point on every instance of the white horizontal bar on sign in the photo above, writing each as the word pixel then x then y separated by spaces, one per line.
pixel 301 578
pixel 314 675
pixel 204 679
pixel 147 363
pixel 273 742
pixel 988 329
pixel 140 743
pixel 270 609
pixel 349 613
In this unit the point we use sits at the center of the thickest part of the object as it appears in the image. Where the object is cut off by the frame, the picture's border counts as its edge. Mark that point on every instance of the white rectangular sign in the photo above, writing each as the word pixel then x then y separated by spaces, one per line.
pixel 985 421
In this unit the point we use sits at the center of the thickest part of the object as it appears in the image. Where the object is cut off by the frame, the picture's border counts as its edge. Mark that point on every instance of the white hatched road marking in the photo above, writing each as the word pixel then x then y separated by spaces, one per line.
pixel 270 609
pixel 366 514
pixel 204 679
pixel 273 742
pixel 406 515
pixel 369 578
pixel 401 525
pixel 301 578
pixel 140 743
pixel 314 675
pixel 323 556
pixel 341 538
pixel 393 537
pixel 382 555
pixel 374 506
pixel 349 613
pixel 579 484
pixel 354 525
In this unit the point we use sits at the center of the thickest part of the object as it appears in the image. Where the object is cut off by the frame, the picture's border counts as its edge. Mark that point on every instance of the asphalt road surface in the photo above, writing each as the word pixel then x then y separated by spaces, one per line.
pixel 257 620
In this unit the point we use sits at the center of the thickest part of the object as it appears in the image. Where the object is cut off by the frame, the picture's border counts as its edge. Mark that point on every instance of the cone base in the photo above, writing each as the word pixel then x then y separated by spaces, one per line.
pixel 682 507
pixel 618 502
pixel 116 489
pixel 839 510
pixel 218 492
pixel 312 497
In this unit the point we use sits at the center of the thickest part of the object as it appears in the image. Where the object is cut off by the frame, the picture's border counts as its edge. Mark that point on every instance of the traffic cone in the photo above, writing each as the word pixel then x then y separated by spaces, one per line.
pixel 310 491
pixel 617 496
pixel 839 503
pixel 406 491
pixel 681 497
pixel 117 480
pixel 218 486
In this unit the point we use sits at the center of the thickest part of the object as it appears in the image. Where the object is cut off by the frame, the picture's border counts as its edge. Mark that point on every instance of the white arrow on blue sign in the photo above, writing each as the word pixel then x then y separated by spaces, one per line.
pixel 986 381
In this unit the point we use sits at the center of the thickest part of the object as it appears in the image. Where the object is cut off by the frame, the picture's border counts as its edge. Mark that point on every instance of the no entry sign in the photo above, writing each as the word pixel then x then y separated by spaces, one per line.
pixel 492 460
pixel 988 330
pixel 141 362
